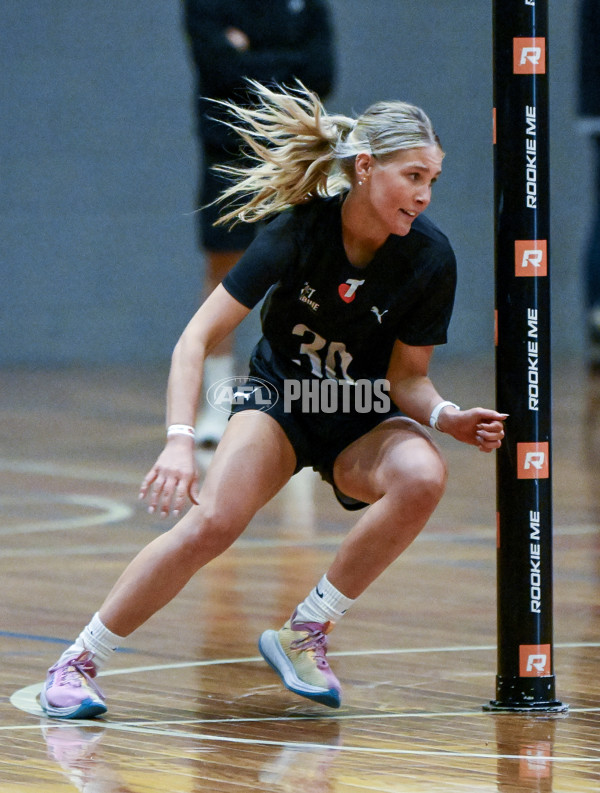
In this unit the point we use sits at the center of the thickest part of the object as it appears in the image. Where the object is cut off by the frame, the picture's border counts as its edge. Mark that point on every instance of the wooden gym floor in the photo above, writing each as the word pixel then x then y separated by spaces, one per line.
pixel 191 705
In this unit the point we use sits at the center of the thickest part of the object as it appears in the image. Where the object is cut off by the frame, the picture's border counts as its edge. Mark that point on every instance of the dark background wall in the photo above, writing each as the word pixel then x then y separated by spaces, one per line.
pixel 98 256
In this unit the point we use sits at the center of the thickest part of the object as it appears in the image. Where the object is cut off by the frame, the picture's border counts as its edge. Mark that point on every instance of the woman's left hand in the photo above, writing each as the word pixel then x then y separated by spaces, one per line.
pixel 478 426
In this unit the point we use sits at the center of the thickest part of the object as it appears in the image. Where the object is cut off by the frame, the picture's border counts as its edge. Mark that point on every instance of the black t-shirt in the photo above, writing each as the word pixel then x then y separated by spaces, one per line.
pixel 330 318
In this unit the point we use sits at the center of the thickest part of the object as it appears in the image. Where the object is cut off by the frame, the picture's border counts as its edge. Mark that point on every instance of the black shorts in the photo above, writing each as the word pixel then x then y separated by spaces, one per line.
pixel 316 437
pixel 212 184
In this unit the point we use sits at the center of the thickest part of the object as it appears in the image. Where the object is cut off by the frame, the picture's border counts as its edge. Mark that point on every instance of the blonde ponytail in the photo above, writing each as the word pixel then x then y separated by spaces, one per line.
pixel 292 141
pixel 301 152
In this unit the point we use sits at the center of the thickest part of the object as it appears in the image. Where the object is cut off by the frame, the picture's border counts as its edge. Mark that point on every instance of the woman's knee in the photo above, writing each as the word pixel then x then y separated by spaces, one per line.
pixel 423 480
pixel 430 482
pixel 206 533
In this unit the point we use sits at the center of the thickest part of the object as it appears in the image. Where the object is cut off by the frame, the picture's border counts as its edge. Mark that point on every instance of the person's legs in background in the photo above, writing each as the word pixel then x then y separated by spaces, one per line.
pixel 221 247
pixel 592 276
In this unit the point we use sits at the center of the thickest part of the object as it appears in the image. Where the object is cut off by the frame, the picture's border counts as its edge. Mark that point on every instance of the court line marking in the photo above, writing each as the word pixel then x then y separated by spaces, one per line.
pixel 145 729
pixel 98 549
pixel 122 511
pixel 30 693
pixel 68 471
pixel 111 511
pixel 254 543
pixel 367 749
pixel 122 477
pixel 19 701
pixel 333 654
pixel 25 699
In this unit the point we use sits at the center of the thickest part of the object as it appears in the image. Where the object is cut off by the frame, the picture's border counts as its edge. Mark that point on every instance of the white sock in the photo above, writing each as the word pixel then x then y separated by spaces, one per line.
pixel 324 603
pixel 98 640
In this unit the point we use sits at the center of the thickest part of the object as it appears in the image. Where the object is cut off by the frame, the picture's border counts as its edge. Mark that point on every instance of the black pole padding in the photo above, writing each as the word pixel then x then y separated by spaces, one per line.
pixel 525 679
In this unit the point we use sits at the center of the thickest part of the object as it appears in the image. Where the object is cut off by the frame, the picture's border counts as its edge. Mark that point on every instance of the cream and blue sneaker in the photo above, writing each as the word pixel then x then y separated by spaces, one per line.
pixel 70 692
pixel 297 653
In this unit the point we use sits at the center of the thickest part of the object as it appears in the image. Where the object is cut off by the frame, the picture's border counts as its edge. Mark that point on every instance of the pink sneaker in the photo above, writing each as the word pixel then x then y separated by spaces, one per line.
pixel 70 692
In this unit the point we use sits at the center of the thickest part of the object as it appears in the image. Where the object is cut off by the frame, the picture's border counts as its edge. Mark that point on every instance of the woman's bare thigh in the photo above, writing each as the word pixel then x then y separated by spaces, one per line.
pixel 395 447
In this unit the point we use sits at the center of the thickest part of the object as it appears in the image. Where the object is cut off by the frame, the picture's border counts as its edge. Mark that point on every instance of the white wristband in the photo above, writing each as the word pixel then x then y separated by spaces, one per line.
pixel 181 429
pixel 435 413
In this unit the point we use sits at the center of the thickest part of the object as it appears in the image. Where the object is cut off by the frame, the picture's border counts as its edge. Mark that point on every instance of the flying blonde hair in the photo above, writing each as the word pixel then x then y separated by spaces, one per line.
pixel 301 152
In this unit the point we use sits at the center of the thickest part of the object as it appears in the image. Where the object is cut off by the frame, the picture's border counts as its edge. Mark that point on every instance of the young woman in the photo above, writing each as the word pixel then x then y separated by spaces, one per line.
pixel 362 287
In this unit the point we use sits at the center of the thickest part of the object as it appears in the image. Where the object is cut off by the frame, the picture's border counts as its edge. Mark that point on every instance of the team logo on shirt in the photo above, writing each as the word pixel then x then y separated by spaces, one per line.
pixel 347 290
pixel 306 296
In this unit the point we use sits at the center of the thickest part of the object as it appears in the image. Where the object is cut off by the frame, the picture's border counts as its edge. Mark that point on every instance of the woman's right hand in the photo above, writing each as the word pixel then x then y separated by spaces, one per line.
pixel 173 478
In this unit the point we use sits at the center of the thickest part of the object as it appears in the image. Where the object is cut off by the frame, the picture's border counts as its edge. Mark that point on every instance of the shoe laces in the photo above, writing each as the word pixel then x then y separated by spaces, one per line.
pixel 70 671
pixel 315 640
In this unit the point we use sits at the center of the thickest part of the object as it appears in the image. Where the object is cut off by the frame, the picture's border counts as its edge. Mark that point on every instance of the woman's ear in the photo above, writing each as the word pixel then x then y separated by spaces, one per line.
pixel 362 165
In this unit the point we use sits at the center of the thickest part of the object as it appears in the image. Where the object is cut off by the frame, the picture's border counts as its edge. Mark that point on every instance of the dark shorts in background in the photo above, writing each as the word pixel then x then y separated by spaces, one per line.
pixel 212 184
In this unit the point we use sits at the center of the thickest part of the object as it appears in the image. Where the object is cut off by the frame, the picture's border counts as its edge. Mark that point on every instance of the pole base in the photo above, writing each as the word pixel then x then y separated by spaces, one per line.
pixel 516 694
pixel 494 706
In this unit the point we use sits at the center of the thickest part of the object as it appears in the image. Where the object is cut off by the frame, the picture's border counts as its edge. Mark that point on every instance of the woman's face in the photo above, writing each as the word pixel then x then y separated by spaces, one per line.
pixel 399 187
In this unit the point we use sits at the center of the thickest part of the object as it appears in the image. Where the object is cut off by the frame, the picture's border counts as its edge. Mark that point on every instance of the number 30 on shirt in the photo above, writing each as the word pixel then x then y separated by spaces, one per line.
pixel 327 358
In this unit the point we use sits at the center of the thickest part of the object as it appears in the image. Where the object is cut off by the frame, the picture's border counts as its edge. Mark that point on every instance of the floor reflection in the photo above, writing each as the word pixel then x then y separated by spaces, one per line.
pixel 78 752
pixel 525 747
